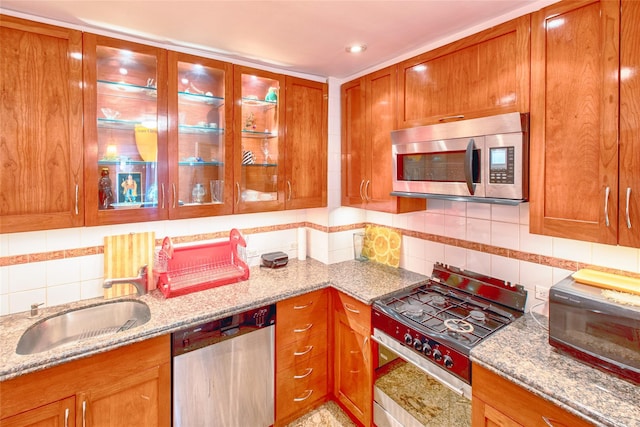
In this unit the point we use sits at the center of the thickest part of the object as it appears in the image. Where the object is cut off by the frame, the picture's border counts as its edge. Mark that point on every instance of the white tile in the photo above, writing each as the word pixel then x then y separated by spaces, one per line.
pixel 434 252
pixel 478 230
pixel 480 262
pixel 346 216
pixel 24 277
pixel 434 223
pixel 4 280
pixel 4 305
pixel 91 289
pixel 455 256
pixel 415 221
pixel 91 267
pixel 532 275
pixel 505 235
pixel 505 268
pixel 619 257
pixel 455 208
pixel 380 218
pixel 65 238
pixel 93 236
pixel 435 206
pixel 524 213
pixel 413 248
pixel 479 210
pixel 27 243
pixel 504 213
pixel 455 227
pixel 535 243
pixel 63 271
pixel 560 274
pixel 417 265
pixel 21 301
pixel 4 245
pixel 63 294
pixel 572 250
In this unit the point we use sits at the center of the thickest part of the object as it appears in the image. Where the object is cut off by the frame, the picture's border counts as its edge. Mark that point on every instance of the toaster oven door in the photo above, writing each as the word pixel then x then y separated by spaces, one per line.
pixel 596 333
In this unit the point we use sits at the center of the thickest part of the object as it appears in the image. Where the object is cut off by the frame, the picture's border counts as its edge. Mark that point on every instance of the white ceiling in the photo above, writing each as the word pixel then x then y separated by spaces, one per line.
pixel 300 36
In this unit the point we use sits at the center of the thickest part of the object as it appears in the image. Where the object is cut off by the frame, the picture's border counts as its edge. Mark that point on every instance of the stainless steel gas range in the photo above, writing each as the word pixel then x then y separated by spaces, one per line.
pixel 435 325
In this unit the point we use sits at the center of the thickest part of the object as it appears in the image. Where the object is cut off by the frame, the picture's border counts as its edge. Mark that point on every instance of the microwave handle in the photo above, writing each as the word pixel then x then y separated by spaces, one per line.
pixel 468 167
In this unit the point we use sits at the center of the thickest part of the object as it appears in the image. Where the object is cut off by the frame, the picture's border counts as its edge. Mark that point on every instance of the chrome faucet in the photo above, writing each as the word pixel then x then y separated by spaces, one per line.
pixel 140 282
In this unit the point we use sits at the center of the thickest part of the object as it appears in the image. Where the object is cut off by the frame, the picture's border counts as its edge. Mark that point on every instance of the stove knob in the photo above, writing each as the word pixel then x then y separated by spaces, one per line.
pixel 448 362
pixel 417 344
pixel 426 349
pixel 407 339
pixel 437 355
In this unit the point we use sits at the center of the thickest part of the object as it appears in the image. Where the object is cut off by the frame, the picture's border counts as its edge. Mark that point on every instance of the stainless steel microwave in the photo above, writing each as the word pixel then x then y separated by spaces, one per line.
pixel 479 160
pixel 599 331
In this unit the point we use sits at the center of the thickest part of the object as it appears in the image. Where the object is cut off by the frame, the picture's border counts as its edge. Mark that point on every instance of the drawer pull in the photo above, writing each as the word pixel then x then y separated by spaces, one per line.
pixel 77 199
pixel 361 195
pixel 351 308
pixel 457 116
pixel 307 395
pixel 306 374
pixel 606 206
pixel 547 421
pixel 302 353
pixel 84 413
pixel 627 207
pixel 305 329
pixel 66 417
pixel 302 307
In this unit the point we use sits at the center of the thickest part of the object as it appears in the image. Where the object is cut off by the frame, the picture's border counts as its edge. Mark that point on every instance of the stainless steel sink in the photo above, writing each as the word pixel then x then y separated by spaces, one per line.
pixel 92 321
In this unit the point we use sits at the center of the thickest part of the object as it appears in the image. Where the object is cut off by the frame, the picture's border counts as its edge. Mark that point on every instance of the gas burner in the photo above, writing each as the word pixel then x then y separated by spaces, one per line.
pixel 438 300
pixel 478 315
pixel 458 326
pixel 412 310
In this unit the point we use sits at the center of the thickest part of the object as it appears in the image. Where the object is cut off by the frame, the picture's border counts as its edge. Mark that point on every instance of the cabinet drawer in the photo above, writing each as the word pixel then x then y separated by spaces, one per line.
pixel 302 319
pixel 357 312
pixel 297 395
pixel 294 356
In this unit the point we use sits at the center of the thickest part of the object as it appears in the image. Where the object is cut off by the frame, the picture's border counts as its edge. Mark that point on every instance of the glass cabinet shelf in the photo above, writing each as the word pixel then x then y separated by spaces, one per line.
pixel 199 163
pixel 256 134
pixel 264 165
pixel 117 123
pixel 201 99
pixel 199 129
pixel 258 102
pixel 121 162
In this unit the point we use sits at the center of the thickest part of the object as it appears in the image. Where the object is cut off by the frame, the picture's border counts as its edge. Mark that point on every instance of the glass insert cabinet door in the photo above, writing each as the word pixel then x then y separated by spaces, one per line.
pixel 125 135
pixel 199 141
pixel 258 145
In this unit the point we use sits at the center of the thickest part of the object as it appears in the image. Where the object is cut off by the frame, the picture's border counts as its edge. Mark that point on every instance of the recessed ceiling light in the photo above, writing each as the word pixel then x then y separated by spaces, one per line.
pixel 356 48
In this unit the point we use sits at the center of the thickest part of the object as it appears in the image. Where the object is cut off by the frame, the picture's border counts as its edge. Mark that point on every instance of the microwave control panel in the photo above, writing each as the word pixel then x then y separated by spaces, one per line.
pixel 501 165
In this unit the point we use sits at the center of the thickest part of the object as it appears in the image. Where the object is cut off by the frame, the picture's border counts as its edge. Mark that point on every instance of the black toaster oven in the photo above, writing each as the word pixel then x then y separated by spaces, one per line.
pixel 599 330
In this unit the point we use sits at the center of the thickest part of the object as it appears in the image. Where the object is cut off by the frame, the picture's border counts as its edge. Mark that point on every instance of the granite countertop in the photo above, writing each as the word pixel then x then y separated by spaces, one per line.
pixel 365 281
pixel 530 362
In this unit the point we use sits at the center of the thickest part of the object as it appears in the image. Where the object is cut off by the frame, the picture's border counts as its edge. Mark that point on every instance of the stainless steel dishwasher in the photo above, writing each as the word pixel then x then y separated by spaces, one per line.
pixel 223 371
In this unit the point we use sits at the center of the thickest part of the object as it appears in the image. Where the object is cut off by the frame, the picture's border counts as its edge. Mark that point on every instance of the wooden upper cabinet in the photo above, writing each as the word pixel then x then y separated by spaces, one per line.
pixel 574 121
pixel 125 131
pixel 481 75
pixel 368 117
pixel 40 126
pixel 305 143
pixel 629 218
pixel 200 136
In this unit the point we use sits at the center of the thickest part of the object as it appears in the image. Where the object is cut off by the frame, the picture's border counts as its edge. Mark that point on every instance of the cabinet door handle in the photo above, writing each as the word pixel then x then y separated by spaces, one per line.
pixel 302 307
pixel 627 207
pixel 84 413
pixel 366 191
pixel 305 329
pixel 351 308
pixel 468 167
pixel 547 421
pixel 305 397
pixel 76 199
pixel 290 191
pixel 306 374
pixel 66 417
pixel 305 351
pixel 457 116
pixel 174 195
pixel 365 344
pixel 606 206
pixel 238 192
pixel 162 188
pixel 361 186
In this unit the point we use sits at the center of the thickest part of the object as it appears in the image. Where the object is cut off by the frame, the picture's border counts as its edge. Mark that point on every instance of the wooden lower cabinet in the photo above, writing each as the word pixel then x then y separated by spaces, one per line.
pixel 126 386
pixel 499 402
pixel 353 367
pixel 301 355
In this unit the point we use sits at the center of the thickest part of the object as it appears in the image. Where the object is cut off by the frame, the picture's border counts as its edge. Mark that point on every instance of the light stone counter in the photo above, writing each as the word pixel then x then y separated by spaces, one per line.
pixel 365 281
pixel 521 353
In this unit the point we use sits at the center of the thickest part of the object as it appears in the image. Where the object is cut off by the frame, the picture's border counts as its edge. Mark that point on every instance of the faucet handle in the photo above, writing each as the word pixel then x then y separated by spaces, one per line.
pixel 34 309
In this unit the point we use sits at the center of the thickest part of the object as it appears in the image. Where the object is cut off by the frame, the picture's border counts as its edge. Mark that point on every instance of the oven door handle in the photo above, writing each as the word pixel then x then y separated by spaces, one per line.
pixel 468 167
pixel 455 389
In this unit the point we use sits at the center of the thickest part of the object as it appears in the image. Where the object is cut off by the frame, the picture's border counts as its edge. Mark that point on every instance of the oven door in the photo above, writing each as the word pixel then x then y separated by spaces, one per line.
pixel 450 167
pixel 411 391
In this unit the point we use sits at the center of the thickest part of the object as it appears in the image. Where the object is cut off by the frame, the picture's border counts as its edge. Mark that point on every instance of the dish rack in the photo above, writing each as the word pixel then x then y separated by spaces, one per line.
pixel 188 269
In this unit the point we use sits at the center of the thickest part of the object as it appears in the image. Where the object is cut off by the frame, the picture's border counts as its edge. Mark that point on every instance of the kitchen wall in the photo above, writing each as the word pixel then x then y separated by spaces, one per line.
pixel 60 266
